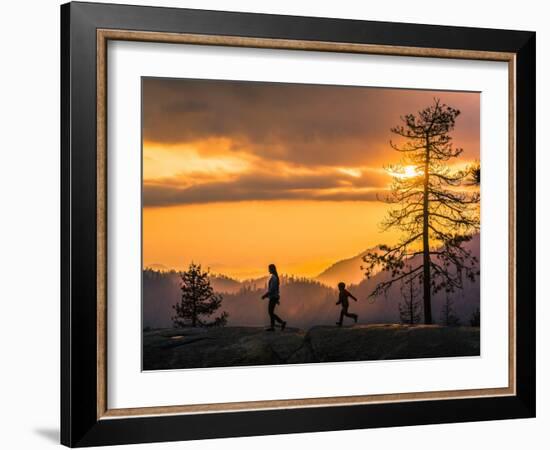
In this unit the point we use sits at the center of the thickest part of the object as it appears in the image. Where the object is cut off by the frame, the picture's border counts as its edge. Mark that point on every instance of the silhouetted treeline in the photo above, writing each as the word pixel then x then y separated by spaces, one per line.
pixel 304 302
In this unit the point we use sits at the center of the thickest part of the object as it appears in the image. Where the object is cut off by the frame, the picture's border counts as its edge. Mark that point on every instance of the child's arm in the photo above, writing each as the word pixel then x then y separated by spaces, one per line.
pixel 351 295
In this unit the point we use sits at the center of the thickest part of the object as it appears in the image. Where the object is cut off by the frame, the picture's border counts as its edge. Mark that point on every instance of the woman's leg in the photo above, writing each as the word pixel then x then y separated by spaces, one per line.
pixel 270 311
pixel 274 317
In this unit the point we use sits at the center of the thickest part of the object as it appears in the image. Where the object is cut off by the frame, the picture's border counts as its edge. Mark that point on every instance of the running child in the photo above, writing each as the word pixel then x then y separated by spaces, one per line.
pixel 343 296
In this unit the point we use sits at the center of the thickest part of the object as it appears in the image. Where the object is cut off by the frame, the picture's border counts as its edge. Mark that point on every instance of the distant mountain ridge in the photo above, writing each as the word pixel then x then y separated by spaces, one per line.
pixel 304 302
pixel 347 270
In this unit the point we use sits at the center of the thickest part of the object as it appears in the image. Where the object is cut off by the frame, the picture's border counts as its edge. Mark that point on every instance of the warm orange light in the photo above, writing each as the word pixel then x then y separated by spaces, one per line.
pixel 240 239
pixel 404 172
pixel 239 177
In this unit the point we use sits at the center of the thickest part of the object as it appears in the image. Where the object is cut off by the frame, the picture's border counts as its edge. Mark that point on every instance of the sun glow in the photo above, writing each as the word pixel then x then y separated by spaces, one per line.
pixel 404 172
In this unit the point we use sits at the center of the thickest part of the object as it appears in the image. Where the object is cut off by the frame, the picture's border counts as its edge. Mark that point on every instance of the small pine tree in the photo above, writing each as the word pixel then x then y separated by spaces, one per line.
pixel 448 315
pixel 409 308
pixel 475 320
pixel 198 300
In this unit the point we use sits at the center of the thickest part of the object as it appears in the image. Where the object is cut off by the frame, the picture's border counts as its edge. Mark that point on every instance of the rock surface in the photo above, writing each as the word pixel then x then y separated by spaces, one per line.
pixel 245 346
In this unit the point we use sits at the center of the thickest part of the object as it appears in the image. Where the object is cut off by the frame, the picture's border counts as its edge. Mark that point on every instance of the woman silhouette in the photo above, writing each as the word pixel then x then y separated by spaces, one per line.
pixel 273 295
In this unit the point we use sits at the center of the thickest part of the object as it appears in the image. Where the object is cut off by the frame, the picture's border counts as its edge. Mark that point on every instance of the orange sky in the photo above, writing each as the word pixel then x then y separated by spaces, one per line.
pixel 238 175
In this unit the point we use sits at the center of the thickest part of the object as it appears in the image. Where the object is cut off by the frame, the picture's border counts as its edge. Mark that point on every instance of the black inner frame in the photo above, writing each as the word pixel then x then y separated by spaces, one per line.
pixel 79 423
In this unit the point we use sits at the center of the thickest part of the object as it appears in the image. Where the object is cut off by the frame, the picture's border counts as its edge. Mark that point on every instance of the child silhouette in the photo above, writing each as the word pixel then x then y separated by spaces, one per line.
pixel 343 300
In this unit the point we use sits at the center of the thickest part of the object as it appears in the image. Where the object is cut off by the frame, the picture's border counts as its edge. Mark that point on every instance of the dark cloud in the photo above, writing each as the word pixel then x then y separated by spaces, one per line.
pixel 297 123
pixel 331 186
pixel 186 107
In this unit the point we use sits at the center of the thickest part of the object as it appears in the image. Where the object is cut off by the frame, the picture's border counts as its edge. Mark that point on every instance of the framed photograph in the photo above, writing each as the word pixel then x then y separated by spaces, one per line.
pixel 276 224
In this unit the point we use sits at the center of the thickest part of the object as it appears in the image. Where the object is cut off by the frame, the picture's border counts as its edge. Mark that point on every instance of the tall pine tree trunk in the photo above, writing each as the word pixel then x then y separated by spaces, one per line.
pixel 426 241
pixel 411 302
pixel 194 320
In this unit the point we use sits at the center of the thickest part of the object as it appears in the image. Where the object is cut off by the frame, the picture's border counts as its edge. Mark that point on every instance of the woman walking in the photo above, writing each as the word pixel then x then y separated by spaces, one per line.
pixel 273 295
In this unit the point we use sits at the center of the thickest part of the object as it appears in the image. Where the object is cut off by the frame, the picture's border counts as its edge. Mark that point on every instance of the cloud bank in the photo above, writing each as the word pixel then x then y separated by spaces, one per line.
pixel 296 139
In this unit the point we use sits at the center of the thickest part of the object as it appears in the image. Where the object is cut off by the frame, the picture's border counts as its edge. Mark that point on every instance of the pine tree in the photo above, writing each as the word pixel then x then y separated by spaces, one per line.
pixel 409 308
pixel 474 171
pixel 434 215
pixel 475 320
pixel 198 300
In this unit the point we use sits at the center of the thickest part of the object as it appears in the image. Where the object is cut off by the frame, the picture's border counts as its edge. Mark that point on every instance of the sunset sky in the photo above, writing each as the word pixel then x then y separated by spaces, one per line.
pixel 238 175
